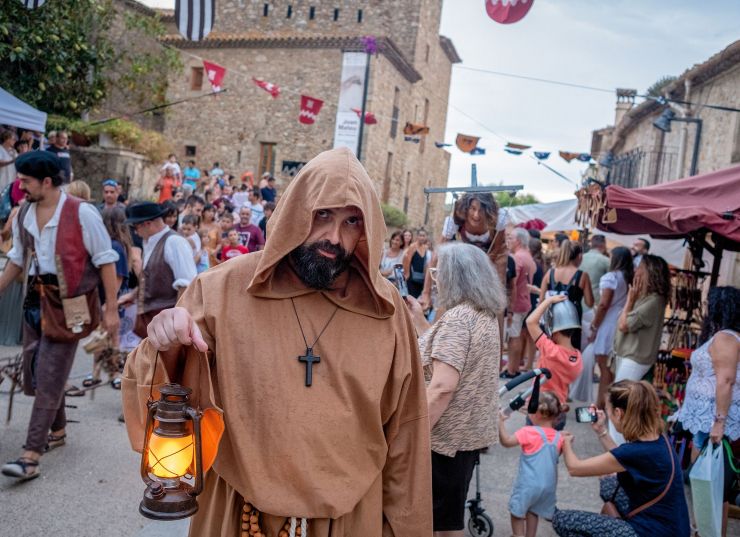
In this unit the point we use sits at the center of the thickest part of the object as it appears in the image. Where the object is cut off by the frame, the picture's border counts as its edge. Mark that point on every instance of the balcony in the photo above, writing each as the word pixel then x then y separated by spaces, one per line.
pixel 640 167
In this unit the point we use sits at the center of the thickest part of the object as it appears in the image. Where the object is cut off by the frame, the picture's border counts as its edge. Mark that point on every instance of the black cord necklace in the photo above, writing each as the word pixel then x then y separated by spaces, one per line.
pixel 309 358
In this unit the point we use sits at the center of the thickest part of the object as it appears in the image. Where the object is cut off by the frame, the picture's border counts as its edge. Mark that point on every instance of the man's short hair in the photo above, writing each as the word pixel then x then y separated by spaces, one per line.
pixel 522 236
pixel 191 162
pixel 597 241
pixel 535 233
pixel 227 216
pixel 560 237
pixel 647 243
pixel 270 206
pixel 256 193
pixel 194 200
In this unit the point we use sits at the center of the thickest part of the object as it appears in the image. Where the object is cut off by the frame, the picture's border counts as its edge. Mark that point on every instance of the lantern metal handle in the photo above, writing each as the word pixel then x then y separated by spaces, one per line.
pixel 196 416
pixel 151 409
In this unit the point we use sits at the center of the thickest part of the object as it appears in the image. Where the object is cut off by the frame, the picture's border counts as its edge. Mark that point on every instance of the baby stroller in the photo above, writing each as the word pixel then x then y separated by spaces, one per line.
pixel 479 523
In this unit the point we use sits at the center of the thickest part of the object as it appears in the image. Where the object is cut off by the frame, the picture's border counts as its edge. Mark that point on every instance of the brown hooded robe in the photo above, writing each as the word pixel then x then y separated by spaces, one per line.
pixel 352 452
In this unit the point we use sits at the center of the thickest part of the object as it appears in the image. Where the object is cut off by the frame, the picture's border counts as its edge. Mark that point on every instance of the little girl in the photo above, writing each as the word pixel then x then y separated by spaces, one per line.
pixel 534 489
pixel 201 257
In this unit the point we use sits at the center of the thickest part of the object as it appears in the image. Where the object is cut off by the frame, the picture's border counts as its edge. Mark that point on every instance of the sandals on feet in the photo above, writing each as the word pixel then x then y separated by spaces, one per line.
pixel 74 391
pixel 89 381
pixel 22 469
pixel 53 441
pixel 116 384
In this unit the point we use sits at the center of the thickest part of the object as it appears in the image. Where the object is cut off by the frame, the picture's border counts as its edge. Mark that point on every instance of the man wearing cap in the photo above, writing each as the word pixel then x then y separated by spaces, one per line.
pixel 168 263
pixel 65 250
pixel 110 196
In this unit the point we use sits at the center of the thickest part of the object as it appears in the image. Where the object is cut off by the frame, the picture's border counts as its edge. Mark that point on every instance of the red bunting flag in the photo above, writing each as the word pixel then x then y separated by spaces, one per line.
pixel 508 11
pixel 567 156
pixel 310 108
pixel 269 87
pixel 370 118
pixel 215 74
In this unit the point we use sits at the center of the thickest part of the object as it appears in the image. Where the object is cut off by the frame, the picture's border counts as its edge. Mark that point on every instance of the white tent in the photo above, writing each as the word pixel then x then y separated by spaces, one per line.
pixel 561 216
pixel 16 113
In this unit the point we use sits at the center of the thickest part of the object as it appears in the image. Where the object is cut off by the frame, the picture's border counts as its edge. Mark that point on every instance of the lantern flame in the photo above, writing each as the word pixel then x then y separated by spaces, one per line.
pixel 170 457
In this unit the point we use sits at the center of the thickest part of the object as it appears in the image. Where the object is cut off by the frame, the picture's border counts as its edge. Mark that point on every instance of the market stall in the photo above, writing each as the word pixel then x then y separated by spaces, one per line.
pixel 17 113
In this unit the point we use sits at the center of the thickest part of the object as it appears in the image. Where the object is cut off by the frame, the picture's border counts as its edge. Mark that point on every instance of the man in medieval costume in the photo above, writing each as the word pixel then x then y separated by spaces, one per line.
pixel 322 401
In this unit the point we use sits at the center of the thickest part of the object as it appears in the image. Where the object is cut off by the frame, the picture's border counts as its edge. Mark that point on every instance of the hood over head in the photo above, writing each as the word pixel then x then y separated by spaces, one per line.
pixel 333 179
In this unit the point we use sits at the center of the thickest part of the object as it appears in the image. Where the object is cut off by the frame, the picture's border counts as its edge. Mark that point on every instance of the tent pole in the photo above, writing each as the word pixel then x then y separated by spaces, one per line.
pixel 717 254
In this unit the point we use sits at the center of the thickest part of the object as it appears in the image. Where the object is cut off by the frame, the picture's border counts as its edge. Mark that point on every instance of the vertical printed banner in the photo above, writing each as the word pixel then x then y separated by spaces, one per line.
pixel 347 128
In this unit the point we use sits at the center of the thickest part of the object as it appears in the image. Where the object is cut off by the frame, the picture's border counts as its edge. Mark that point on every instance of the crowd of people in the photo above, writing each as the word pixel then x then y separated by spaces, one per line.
pixel 490 301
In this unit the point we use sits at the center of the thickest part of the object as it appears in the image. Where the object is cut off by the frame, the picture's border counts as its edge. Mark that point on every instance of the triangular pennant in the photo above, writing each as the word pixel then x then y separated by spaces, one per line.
pixel 370 118
pixel 513 151
pixel 568 156
pixel 466 143
pixel 412 129
pixel 508 11
pixel 520 147
pixel 310 108
pixel 195 18
pixel 584 157
pixel 542 155
pixel 215 74
pixel 269 87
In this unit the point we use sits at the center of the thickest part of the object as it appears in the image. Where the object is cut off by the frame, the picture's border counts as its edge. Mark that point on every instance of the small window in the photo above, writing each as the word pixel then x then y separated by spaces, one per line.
pixel 426 55
pixel 196 78
pixel 290 12
pixel 190 150
pixel 311 13
pixel 239 157
pixel 336 13
pixel 265 10
pixel 267 158
pixel 359 15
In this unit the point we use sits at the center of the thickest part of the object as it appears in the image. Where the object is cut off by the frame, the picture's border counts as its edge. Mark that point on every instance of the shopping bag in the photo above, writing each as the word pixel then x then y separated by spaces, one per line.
pixel 707 487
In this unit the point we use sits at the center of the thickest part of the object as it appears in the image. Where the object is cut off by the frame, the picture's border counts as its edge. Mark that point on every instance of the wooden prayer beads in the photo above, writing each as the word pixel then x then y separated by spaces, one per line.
pixel 250 522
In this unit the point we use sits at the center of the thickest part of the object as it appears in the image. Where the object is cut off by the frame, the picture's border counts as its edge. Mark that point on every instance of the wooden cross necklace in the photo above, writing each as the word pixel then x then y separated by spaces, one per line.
pixel 309 358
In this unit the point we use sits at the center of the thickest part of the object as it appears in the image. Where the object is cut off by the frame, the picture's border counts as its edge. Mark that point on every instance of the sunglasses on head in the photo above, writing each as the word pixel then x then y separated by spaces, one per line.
pixel 110 182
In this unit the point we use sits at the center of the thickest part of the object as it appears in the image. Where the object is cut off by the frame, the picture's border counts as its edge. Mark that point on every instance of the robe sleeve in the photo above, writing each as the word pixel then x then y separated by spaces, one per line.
pixel 407 474
pixel 144 373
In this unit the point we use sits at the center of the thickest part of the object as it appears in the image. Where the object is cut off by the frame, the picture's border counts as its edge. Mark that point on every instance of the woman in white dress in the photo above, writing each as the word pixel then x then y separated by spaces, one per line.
pixel 613 288
pixel 393 255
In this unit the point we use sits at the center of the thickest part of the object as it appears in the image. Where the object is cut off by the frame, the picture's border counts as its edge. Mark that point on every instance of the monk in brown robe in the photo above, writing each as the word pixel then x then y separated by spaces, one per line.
pixel 340 445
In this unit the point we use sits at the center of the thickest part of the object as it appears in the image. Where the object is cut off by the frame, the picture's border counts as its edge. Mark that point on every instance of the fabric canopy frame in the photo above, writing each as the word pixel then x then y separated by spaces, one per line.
pixel 17 113
pixel 690 206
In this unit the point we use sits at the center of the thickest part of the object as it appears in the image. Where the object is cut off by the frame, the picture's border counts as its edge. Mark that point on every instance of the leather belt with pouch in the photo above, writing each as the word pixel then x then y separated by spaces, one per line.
pixel 68 319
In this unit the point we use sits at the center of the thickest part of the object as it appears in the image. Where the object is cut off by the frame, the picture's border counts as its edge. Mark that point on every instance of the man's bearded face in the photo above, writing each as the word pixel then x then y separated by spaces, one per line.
pixel 317 270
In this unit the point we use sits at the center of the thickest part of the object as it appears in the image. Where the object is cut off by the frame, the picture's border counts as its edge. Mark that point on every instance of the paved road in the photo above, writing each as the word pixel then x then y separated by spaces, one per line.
pixel 90 487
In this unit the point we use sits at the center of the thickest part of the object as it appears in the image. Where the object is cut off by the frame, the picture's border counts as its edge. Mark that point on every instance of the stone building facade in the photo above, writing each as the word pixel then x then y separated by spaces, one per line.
pixel 645 155
pixel 299 46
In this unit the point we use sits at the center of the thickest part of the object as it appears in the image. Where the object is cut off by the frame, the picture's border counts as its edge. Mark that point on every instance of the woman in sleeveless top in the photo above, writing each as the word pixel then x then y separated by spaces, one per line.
pixel 392 256
pixel 415 262
pixel 565 278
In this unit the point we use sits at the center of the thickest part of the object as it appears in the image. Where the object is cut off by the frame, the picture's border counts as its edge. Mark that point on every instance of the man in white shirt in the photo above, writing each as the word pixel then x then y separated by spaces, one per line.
pixel 67 250
pixel 639 248
pixel 255 203
pixel 168 263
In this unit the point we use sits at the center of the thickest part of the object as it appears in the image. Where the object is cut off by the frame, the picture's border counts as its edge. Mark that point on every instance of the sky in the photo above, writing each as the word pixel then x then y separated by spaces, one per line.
pixel 605 44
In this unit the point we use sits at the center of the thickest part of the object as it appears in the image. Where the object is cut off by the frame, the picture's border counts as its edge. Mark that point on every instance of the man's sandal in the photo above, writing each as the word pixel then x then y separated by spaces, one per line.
pixel 22 469
pixel 54 441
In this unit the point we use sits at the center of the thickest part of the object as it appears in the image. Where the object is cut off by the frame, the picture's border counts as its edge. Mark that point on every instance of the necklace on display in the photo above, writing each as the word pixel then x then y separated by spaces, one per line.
pixel 309 359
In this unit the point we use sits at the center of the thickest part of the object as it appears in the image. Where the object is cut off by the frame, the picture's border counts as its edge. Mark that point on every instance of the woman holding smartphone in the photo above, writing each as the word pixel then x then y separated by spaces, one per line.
pixel 646 497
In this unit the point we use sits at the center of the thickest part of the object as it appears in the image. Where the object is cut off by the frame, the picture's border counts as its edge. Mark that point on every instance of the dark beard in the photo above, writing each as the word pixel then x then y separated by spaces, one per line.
pixel 315 270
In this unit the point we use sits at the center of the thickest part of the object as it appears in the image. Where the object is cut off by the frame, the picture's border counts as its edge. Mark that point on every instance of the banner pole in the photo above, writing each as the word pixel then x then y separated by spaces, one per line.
pixel 362 111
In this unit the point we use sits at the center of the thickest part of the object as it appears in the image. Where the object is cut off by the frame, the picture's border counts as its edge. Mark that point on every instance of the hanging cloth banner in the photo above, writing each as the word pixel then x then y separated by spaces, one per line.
pixel 310 108
pixel 478 151
pixel 542 155
pixel 370 118
pixel 195 18
pixel 567 156
pixel 520 147
pixel 412 129
pixel 508 11
pixel 440 145
pixel 351 93
pixel 269 87
pixel 215 74
pixel 513 151
pixel 466 143
pixel 584 157
pixel 32 4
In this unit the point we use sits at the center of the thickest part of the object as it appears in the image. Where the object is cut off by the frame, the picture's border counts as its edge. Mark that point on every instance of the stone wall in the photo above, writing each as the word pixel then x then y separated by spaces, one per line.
pixel 135 172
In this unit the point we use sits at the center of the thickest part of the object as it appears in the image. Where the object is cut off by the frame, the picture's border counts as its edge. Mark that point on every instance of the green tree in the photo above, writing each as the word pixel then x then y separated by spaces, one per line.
pixel 507 199
pixel 656 90
pixel 56 57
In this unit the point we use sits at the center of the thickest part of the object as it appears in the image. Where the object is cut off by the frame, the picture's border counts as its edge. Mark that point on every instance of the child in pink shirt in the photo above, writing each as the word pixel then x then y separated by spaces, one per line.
pixel 534 489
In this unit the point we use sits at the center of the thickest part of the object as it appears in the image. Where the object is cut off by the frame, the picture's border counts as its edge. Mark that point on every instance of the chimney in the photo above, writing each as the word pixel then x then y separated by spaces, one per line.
pixel 625 102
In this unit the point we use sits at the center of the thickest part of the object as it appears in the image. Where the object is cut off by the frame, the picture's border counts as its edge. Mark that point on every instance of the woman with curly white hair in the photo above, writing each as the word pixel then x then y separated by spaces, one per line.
pixel 460 353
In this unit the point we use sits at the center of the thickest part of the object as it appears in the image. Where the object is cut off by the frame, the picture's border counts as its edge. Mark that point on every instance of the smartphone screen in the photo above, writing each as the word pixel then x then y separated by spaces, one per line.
pixel 585 415
pixel 400 280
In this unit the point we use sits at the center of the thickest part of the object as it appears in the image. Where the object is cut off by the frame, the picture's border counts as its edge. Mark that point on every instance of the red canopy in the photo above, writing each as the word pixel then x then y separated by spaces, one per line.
pixel 670 210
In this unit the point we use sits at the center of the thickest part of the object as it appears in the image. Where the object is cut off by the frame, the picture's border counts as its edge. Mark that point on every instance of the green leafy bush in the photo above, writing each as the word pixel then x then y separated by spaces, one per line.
pixel 393 216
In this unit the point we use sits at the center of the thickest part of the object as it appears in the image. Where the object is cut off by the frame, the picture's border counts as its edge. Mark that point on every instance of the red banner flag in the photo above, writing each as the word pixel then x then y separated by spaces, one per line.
pixel 215 74
pixel 310 108
pixel 370 118
pixel 269 87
